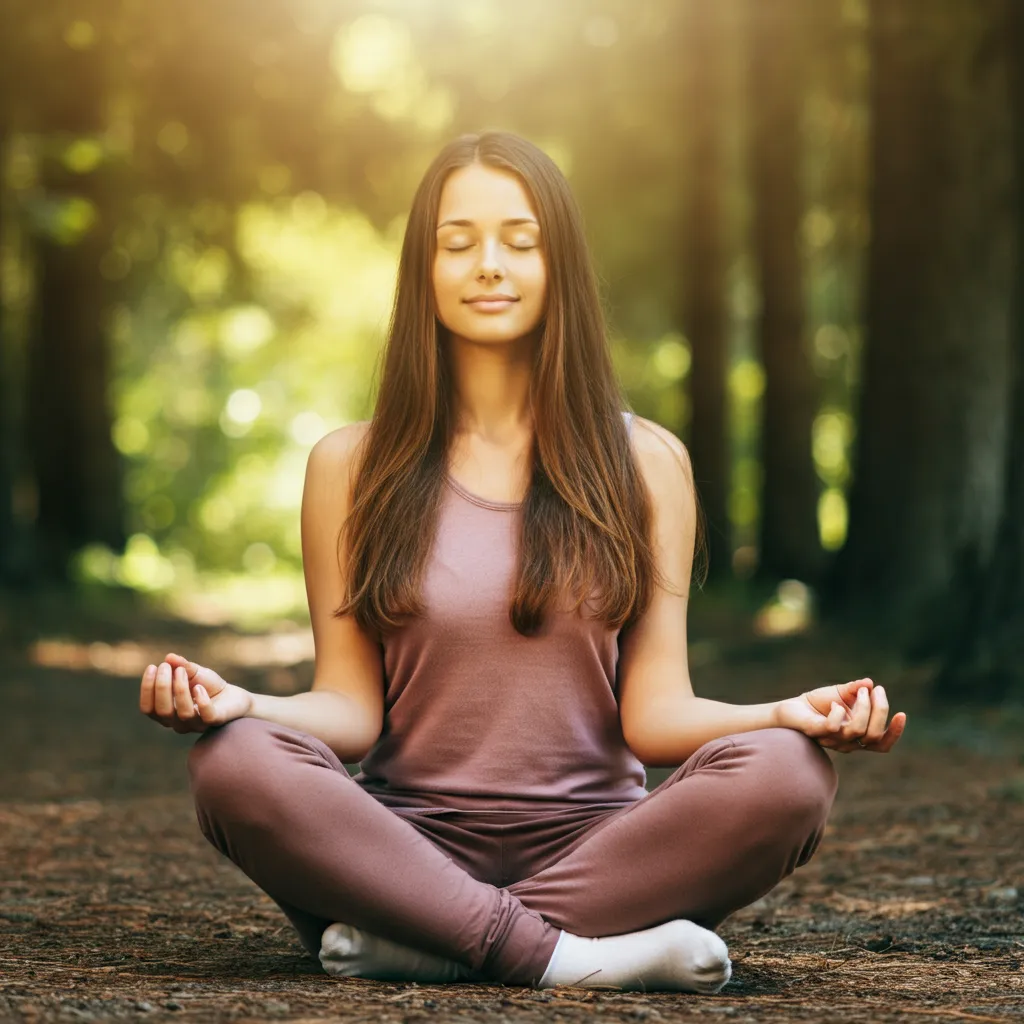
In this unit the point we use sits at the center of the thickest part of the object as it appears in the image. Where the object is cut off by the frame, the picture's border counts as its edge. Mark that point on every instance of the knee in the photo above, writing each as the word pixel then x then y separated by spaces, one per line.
pixel 797 779
pixel 226 763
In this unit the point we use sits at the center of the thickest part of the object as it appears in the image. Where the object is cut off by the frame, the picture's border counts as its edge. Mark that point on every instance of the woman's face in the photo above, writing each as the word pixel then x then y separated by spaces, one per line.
pixel 488 245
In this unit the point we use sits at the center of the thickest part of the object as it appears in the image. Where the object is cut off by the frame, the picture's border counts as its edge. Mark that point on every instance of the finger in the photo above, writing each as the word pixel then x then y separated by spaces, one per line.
pixel 197 673
pixel 879 715
pixel 147 693
pixel 204 709
pixel 176 659
pixel 892 734
pixel 836 715
pixel 848 691
pixel 183 705
pixel 164 701
pixel 860 716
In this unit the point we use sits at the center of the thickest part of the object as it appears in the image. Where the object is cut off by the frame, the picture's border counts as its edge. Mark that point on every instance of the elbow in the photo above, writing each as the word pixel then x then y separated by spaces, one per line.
pixel 349 751
pixel 355 729
pixel 659 738
pixel 642 744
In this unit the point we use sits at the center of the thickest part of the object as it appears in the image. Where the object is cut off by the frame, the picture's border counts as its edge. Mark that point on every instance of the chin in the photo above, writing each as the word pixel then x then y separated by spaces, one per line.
pixel 497 334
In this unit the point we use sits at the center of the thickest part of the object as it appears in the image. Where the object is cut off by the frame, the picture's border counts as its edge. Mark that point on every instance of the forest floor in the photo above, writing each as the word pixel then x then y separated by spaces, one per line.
pixel 113 906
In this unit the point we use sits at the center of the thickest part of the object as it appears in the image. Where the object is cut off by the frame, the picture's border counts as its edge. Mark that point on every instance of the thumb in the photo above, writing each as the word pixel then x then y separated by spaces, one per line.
pixel 803 716
pixel 848 691
pixel 204 706
pixel 198 674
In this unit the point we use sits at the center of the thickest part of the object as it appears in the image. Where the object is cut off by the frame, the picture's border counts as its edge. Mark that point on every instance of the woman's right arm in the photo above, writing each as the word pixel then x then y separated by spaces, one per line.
pixel 345 707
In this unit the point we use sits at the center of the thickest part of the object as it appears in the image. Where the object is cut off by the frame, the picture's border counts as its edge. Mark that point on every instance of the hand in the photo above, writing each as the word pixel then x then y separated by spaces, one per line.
pixel 840 716
pixel 186 697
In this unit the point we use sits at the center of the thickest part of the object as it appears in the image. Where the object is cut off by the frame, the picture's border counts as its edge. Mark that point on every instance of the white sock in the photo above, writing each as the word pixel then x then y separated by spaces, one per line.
pixel 678 956
pixel 347 952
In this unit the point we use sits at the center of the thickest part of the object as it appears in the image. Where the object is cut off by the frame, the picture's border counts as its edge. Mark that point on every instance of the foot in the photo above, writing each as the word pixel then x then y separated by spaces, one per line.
pixel 347 952
pixel 677 956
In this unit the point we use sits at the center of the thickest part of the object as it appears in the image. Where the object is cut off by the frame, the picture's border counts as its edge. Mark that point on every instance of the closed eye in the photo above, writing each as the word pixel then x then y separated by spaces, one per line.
pixel 463 248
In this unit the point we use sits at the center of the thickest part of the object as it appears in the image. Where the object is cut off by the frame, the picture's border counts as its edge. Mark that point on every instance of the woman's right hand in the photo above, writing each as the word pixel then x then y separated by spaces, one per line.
pixel 186 697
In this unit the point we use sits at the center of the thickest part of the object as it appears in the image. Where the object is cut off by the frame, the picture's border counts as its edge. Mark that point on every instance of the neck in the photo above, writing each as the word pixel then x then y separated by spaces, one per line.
pixel 492 388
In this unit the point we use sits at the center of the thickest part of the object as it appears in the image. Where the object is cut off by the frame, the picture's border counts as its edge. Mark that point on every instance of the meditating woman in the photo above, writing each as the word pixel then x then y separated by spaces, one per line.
pixel 497 566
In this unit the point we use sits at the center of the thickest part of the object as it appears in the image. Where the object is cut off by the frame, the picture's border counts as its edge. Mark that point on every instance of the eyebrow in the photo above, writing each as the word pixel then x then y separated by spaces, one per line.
pixel 469 223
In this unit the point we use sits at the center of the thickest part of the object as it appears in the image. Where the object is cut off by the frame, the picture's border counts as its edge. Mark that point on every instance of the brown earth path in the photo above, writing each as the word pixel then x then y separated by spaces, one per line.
pixel 113 906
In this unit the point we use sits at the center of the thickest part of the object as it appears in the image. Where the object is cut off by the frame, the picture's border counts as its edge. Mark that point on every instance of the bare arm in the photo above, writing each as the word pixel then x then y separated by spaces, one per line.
pixel 345 707
pixel 329 715
pixel 662 721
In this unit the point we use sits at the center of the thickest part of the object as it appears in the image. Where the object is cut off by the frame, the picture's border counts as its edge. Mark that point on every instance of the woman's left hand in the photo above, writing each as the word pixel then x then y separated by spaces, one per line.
pixel 846 717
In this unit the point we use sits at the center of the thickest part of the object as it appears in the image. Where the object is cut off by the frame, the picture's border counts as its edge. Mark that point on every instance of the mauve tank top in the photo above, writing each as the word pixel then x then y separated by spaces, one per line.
pixel 479 717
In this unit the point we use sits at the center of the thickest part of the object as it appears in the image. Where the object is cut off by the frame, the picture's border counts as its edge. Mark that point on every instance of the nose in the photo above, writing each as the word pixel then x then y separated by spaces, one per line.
pixel 491 267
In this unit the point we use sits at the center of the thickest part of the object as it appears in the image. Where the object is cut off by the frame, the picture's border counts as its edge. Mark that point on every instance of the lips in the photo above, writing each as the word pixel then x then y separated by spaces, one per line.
pixel 488 305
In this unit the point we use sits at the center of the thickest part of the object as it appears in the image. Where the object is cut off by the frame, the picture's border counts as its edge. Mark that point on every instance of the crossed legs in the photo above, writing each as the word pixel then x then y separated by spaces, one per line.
pixel 727 826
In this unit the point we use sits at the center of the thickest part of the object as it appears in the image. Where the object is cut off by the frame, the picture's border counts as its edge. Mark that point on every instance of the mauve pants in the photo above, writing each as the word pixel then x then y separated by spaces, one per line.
pixel 493 890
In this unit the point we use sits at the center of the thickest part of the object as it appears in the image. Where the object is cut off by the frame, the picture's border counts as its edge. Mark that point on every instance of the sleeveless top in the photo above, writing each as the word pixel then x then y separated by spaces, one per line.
pixel 477 716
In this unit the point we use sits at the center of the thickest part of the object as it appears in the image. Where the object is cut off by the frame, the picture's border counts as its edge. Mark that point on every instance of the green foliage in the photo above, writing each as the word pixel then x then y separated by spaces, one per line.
pixel 255 164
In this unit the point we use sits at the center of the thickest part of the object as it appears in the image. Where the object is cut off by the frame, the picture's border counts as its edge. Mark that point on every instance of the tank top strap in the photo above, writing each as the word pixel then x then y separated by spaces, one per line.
pixel 629 422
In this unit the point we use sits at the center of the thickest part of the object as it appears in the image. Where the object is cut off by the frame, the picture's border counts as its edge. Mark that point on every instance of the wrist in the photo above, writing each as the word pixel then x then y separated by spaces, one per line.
pixel 775 715
pixel 253 705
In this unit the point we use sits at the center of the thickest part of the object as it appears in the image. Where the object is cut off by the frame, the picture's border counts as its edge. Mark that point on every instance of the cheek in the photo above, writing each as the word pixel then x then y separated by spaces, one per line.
pixel 538 284
pixel 446 290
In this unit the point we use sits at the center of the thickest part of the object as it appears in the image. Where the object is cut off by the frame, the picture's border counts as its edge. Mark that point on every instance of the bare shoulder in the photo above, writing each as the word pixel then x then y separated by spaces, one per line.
pixel 338 448
pixel 663 459
pixel 327 491
pixel 333 458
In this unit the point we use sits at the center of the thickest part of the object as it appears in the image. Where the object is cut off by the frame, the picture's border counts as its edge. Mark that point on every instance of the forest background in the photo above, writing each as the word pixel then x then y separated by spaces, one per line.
pixel 811 274
pixel 808 221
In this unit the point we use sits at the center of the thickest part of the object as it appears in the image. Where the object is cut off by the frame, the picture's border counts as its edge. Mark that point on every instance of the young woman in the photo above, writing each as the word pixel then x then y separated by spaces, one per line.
pixel 497 566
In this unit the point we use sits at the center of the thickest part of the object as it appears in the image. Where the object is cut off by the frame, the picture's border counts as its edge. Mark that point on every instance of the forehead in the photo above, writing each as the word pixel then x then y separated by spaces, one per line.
pixel 483 194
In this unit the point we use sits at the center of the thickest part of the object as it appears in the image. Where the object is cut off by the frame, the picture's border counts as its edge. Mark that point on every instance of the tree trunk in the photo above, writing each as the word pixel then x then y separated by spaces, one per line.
pixel 986 661
pixel 932 429
pixel 68 420
pixel 789 545
pixel 704 262
pixel 7 432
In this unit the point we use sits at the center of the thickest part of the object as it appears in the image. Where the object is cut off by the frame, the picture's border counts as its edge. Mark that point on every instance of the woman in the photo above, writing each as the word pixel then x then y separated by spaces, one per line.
pixel 497 567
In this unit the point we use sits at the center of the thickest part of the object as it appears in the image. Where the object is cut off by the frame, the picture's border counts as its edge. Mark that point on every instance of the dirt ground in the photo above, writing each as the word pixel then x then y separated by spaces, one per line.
pixel 113 906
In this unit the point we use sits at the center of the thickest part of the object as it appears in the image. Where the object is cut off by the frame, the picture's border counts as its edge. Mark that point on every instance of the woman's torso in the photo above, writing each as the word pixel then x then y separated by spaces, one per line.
pixel 478 716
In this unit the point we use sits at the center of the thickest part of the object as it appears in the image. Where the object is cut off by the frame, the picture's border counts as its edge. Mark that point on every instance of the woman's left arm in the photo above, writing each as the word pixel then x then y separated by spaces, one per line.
pixel 662 721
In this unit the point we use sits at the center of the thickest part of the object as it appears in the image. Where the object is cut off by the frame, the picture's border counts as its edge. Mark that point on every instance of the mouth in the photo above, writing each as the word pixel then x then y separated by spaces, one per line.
pixel 495 305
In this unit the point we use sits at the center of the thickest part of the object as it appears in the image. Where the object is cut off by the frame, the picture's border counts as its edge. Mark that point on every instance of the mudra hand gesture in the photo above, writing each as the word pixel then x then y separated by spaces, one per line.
pixel 186 697
pixel 845 717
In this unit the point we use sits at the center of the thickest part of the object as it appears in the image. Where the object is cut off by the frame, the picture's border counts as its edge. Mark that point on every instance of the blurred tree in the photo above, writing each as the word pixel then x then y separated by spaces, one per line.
pixel 184 113
pixel 788 544
pixel 986 659
pixel 8 435
pixel 703 296
pixel 932 428
pixel 14 549
pixel 68 416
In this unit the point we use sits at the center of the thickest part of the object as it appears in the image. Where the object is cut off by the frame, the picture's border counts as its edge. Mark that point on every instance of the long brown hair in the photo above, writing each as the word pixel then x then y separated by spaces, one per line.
pixel 586 518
